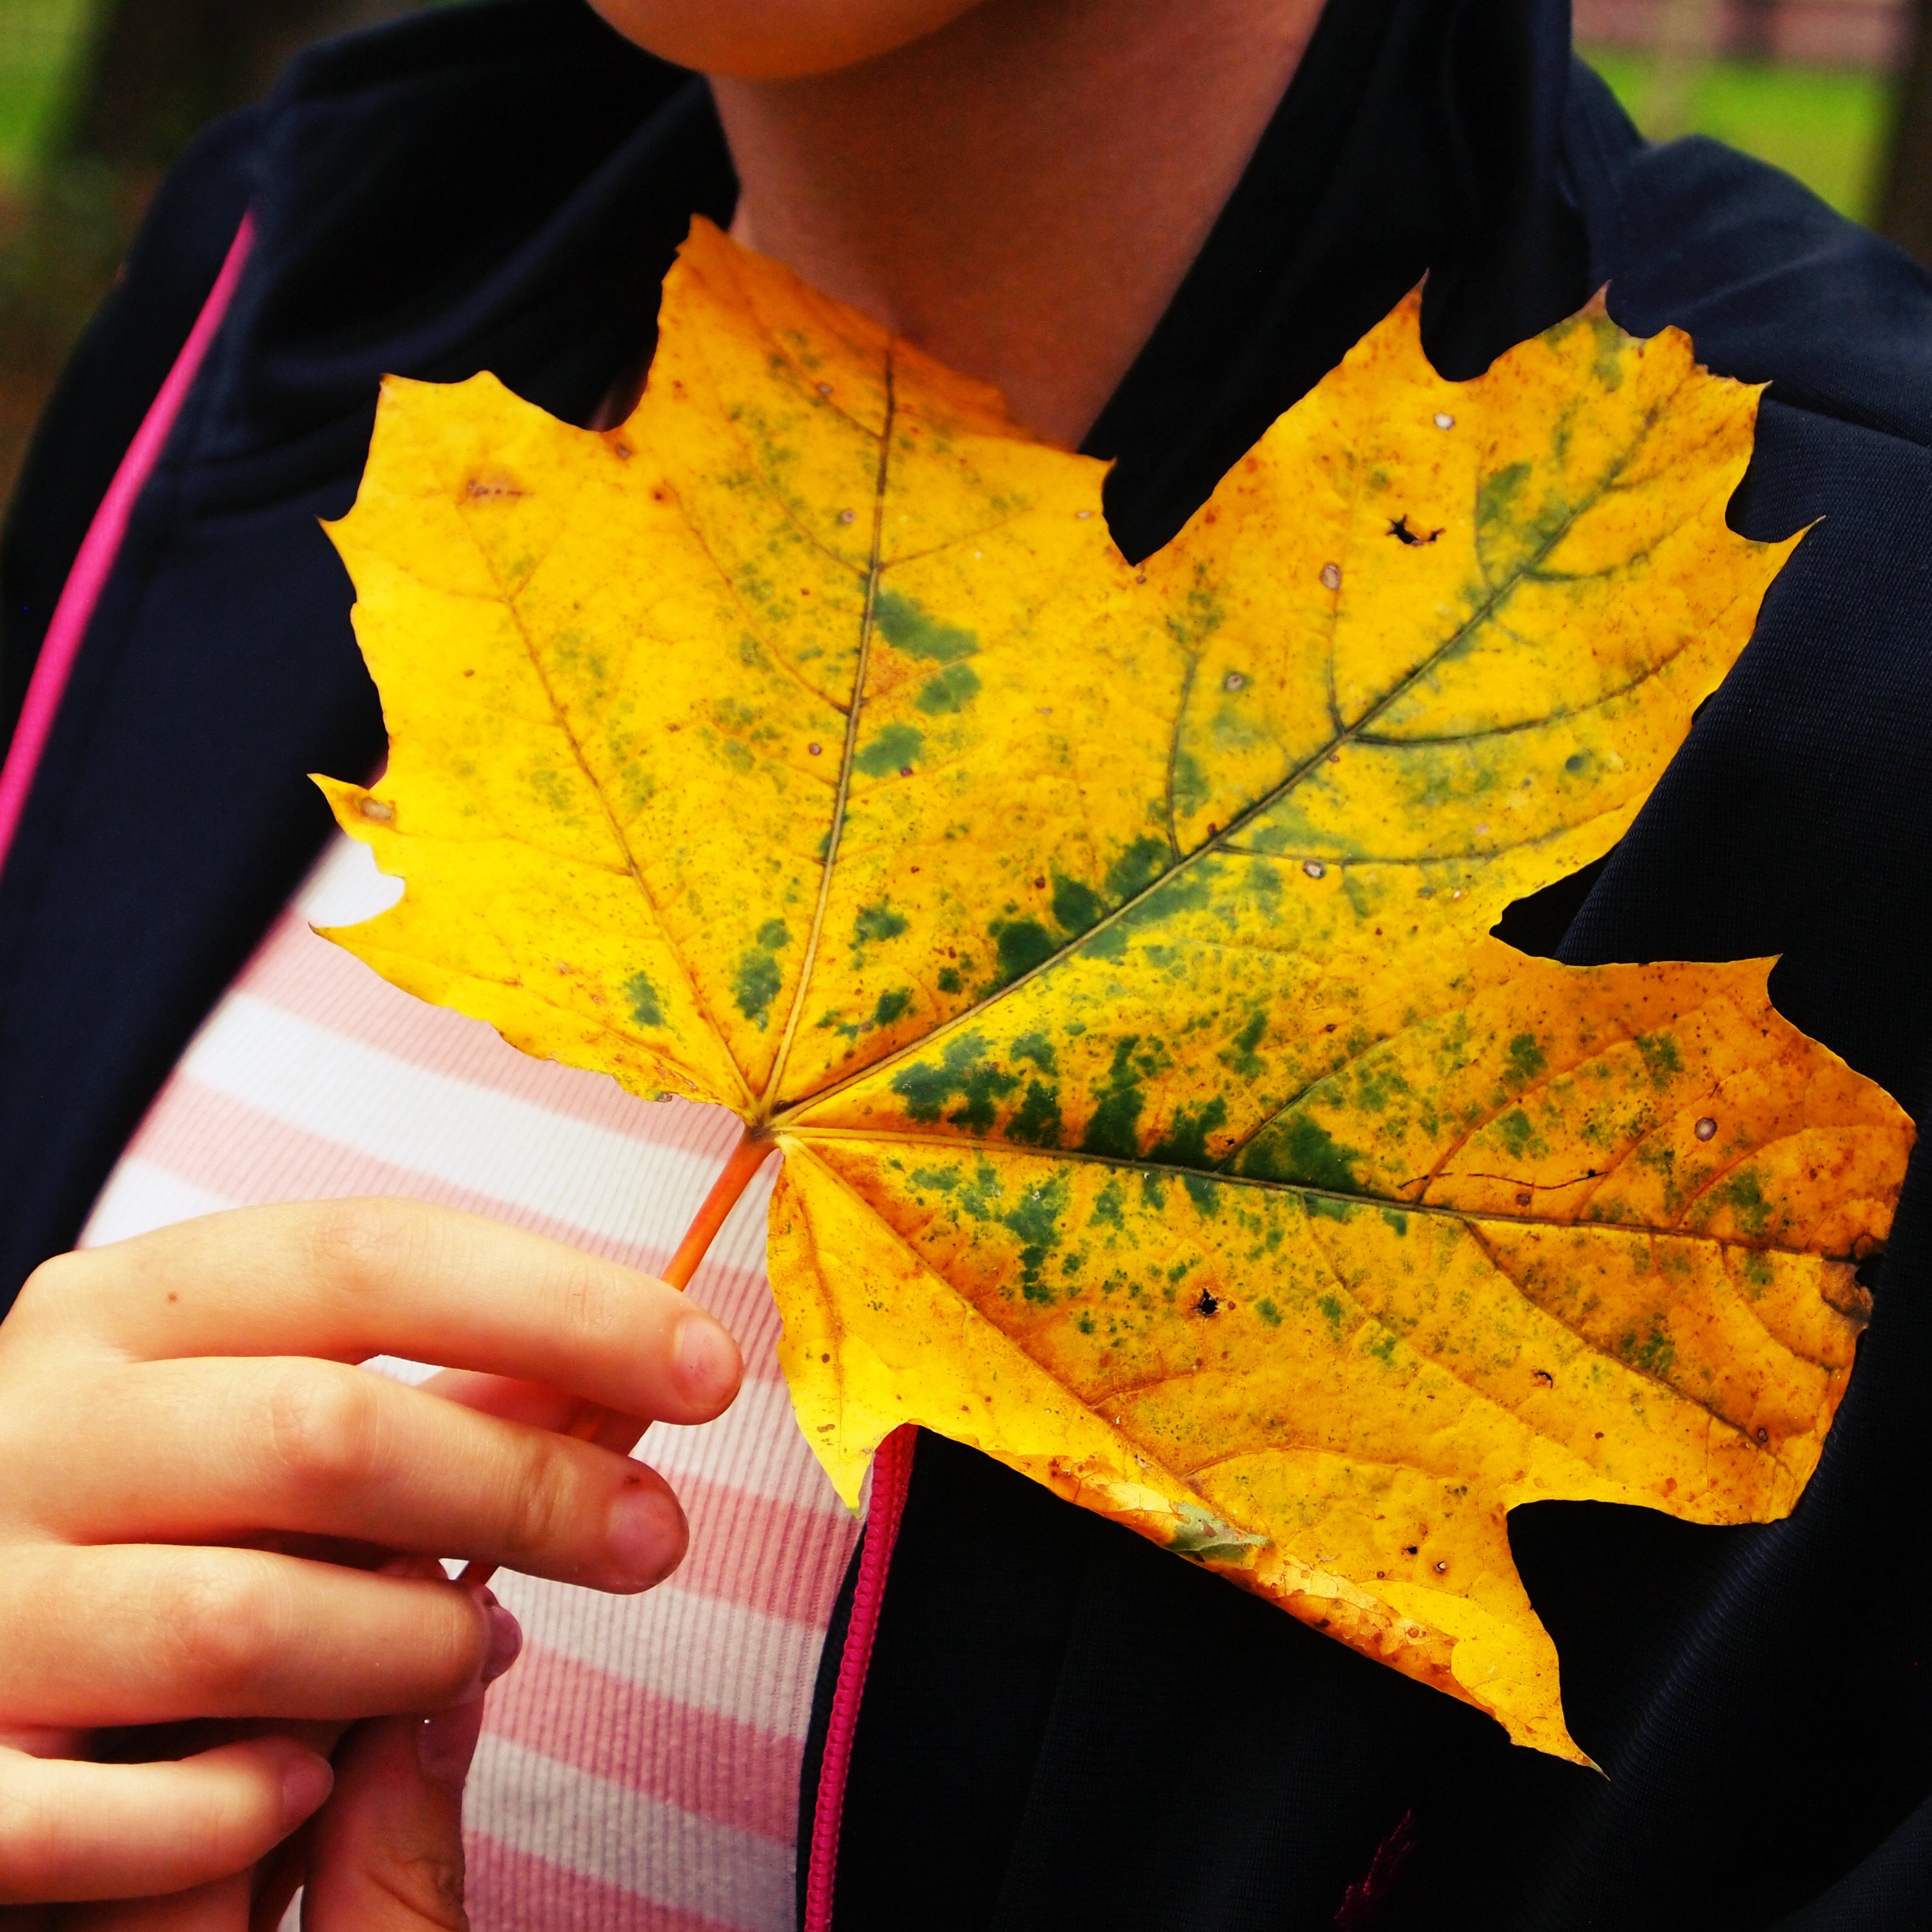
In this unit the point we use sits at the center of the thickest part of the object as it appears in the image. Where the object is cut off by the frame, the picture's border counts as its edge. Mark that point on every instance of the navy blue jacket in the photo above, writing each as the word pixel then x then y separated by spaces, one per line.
pixel 1062 1725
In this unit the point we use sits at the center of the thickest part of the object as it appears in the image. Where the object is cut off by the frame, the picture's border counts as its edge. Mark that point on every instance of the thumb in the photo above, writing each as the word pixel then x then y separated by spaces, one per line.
pixel 387 1853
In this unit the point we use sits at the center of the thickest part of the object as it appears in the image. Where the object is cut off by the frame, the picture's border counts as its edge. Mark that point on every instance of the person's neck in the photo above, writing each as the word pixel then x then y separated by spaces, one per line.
pixel 1020 193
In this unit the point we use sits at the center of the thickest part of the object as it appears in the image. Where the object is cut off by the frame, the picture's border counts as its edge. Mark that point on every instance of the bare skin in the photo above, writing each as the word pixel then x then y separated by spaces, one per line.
pixel 221 1522
pixel 1019 192
pixel 777 40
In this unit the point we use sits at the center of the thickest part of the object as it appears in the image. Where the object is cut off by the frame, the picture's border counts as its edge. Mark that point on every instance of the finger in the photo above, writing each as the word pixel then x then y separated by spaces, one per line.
pixel 174 1633
pixel 539 1406
pixel 279 1877
pixel 221 1906
pixel 509 1398
pixel 348 1279
pixel 43 1741
pixel 316 1448
pixel 73 1831
pixel 255 1901
pixel 387 1855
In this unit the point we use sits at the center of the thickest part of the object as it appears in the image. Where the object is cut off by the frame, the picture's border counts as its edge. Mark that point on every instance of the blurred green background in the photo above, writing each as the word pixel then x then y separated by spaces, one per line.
pixel 96 96
pixel 1827 125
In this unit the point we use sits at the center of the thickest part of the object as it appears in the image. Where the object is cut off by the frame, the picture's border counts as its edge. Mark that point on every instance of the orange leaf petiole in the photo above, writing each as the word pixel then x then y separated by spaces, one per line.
pixel 747 1157
pixel 593 1423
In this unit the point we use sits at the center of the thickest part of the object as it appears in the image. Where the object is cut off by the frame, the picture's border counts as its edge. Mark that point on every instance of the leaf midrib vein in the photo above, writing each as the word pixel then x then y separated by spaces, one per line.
pixel 763 1108
pixel 1493 602
pixel 1148 1164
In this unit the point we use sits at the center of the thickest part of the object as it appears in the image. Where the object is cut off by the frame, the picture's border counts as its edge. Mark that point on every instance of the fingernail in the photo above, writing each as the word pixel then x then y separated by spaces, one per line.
pixel 705 1360
pixel 306 1783
pixel 647 1535
pixel 446 1742
pixel 506 1640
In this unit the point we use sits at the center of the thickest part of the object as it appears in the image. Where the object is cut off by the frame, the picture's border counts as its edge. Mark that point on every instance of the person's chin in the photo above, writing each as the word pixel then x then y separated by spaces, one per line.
pixel 776 39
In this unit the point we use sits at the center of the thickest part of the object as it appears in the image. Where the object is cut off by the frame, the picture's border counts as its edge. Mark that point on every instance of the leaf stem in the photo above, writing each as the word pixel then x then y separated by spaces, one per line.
pixel 595 1424
pixel 747 1157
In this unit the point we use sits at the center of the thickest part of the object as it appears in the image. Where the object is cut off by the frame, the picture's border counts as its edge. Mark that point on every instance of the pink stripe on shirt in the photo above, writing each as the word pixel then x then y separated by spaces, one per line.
pixel 713 1766
pixel 530 1894
pixel 335 989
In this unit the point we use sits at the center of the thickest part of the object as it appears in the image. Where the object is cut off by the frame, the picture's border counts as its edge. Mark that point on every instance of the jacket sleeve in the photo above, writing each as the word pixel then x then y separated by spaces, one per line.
pixel 113 374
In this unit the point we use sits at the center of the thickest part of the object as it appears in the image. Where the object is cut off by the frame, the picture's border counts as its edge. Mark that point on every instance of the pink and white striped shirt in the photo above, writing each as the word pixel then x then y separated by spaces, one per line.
pixel 639 1769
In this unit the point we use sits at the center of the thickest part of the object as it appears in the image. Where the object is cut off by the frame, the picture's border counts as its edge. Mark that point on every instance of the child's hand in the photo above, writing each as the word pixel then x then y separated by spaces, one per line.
pixel 192 1467
pixel 384 1855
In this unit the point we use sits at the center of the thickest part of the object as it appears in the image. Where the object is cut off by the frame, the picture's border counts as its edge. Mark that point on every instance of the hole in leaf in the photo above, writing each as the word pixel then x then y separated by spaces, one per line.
pixel 1402 534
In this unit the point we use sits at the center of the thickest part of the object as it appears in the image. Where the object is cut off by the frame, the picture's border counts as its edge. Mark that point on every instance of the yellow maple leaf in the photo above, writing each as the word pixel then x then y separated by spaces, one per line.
pixel 1104 944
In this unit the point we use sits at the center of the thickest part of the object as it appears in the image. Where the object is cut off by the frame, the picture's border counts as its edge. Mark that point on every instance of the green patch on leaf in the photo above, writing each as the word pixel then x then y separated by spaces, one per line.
pixel 1526 1059
pixel 907 627
pixel 1661 1056
pixel 1136 869
pixel 1185 1143
pixel 1746 1200
pixel 962 1073
pixel 1204 1193
pixel 1241 1056
pixel 893 750
pixel 1075 906
pixel 1037 1050
pixel 1190 785
pixel 1117 1110
pixel 952 690
pixel 1204 1538
pixel 1326 1207
pixel 1036 1123
pixel 1302 1150
pixel 643 996
pixel 876 923
pixel 1022 944
pixel 1655 1353
pixel 1035 1220
pixel 755 986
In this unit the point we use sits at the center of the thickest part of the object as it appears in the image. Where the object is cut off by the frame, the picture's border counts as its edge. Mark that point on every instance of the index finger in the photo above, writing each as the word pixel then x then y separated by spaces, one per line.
pixel 348 1279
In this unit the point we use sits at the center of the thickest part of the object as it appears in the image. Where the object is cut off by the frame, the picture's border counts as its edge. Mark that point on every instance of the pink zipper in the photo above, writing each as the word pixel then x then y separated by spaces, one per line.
pixel 94 562
pixel 892 1474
